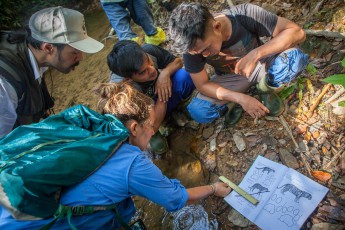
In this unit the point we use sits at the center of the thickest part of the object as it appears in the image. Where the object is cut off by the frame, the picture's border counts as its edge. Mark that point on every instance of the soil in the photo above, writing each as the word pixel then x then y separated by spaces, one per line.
pixel 316 142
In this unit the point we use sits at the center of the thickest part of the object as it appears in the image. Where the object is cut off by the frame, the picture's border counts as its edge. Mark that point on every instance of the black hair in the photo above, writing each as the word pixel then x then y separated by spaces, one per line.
pixel 187 23
pixel 126 58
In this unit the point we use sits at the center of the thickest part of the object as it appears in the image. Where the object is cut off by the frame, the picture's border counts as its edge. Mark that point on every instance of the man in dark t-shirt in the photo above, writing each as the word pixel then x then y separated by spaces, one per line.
pixel 155 72
pixel 230 42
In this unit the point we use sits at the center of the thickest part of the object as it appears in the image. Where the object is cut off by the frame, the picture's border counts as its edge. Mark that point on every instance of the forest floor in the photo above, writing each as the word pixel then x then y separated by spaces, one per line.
pixel 308 140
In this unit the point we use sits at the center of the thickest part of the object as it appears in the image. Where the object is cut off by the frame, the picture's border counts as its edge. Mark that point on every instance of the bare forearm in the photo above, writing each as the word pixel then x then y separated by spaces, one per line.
pixel 173 66
pixel 287 34
pixel 214 90
pixel 160 111
pixel 199 193
pixel 278 44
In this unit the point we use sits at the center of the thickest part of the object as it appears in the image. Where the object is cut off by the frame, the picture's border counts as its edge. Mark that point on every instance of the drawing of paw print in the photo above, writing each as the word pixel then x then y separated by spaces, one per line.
pixel 270 208
pixel 287 219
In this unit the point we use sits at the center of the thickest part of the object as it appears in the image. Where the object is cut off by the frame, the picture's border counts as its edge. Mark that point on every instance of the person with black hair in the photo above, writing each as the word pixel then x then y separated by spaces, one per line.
pixel 55 37
pixel 230 41
pixel 155 72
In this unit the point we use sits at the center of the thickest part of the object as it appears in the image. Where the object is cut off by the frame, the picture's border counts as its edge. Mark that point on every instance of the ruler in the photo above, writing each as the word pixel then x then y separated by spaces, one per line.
pixel 240 191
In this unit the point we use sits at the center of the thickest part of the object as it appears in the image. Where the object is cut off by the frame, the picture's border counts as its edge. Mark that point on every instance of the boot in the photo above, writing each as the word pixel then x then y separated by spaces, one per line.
pixel 233 114
pixel 156 39
pixel 269 98
pixel 158 143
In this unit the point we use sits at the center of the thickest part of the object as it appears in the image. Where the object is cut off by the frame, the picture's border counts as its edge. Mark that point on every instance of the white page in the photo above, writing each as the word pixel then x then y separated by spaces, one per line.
pixel 263 176
pixel 292 202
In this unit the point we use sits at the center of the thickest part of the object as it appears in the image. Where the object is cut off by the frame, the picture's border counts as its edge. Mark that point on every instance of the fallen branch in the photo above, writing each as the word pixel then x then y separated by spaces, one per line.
pixel 286 126
pixel 325 33
pixel 316 127
pixel 333 160
pixel 316 9
pixel 306 164
pixel 336 95
pixel 318 99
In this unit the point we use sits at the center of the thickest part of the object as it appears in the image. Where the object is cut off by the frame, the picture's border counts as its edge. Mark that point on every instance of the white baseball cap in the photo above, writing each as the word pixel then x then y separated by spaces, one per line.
pixel 64 26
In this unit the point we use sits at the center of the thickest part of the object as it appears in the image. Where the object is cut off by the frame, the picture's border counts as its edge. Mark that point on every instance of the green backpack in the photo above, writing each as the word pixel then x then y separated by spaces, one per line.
pixel 38 161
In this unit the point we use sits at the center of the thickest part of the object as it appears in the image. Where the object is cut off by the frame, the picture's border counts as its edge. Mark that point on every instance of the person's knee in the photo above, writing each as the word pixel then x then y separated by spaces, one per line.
pixel 183 83
pixel 203 111
pixel 287 66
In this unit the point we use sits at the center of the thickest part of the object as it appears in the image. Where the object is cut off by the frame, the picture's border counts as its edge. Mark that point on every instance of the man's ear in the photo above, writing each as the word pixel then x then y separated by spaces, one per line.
pixel 48 48
pixel 217 26
pixel 132 126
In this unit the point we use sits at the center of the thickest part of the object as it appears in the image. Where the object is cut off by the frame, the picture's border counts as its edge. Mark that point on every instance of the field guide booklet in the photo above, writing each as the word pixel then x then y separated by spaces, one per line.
pixel 286 197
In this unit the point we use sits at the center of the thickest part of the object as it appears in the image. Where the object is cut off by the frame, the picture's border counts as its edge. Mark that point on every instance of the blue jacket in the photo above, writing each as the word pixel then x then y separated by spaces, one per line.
pixel 125 174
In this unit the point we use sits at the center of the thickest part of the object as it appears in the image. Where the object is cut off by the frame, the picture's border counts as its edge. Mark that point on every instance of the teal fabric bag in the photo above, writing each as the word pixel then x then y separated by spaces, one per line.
pixel 38 161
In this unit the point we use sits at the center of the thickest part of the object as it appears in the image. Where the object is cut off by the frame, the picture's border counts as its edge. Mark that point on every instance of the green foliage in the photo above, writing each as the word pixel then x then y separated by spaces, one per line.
pixel 308 25
pixel 320 13
pixel 15 12
pixel 337 79
pixel 9 12
pixel 311 69
pixel 300 81
pixel 286 92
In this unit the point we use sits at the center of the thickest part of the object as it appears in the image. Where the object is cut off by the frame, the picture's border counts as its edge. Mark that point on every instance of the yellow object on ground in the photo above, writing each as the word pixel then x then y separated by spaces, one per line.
pixel 156 39
pixel 137 40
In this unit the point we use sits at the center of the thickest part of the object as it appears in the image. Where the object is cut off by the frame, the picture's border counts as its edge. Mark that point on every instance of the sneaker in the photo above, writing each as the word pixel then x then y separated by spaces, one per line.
pixel 156 39
pixel 158 144
pixel 137 40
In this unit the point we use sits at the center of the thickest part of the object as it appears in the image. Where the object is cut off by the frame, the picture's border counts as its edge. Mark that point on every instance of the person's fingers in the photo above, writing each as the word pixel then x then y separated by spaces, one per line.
pixel 165 94
pixel 160 95
pixel 264 108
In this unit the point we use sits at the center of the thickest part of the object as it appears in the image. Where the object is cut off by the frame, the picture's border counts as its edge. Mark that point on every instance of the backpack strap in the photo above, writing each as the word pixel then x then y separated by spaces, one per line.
pixel 69 211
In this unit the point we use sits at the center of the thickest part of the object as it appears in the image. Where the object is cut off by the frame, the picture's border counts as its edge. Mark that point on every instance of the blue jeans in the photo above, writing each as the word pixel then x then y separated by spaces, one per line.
pixel 120 14
pixel 280 69
pixel 182 88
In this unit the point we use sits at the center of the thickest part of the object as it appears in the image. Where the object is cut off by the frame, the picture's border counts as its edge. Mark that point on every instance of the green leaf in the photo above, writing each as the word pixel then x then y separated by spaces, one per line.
pixel 311 69
pixel 286 92
pixel 343 63
pixel 300 81
pixel 337 79
pixel 308 25
pixel 342 104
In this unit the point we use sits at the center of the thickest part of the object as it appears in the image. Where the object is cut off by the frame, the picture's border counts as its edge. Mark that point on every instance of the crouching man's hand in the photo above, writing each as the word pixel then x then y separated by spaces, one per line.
pixel 252 106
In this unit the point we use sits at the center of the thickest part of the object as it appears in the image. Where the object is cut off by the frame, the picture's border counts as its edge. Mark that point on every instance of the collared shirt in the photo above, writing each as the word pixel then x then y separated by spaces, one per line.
pixel 128 172
pixel 9 99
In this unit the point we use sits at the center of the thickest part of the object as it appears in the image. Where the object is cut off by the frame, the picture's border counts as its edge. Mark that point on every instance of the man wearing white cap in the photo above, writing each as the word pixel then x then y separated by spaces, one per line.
pixel 56 37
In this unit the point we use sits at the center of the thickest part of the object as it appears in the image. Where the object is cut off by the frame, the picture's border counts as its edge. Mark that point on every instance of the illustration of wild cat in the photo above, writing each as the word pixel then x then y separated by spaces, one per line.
pixel 259 187
pixel 295 191
pixel 264 169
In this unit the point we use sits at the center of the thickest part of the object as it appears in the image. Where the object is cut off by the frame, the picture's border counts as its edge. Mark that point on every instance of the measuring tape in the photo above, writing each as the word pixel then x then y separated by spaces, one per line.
pixel 240 191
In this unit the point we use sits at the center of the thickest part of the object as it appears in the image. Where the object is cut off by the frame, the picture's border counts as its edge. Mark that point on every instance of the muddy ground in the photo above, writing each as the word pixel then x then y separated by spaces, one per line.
pixel 200 153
